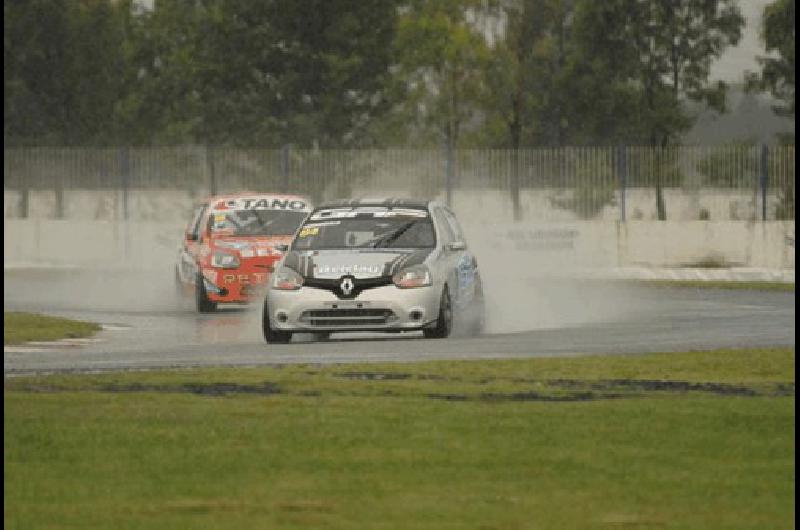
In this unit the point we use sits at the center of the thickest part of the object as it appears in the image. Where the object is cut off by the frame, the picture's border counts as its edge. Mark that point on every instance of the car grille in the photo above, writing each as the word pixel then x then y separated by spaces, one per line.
pixel 359 285
pixel 347 317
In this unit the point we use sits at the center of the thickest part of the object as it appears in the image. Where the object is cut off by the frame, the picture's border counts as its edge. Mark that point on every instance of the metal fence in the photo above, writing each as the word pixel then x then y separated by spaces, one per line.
pixel 735 182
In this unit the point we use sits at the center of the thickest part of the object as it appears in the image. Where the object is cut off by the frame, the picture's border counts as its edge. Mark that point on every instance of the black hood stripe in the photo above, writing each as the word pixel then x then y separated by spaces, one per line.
pixel 292 261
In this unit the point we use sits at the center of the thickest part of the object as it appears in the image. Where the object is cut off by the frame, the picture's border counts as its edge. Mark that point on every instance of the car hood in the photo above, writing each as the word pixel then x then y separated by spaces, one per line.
pixel 361 263
pixel 247 244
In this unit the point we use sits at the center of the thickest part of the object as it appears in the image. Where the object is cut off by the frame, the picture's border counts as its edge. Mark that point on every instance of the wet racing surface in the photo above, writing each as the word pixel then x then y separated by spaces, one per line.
pixel 146 329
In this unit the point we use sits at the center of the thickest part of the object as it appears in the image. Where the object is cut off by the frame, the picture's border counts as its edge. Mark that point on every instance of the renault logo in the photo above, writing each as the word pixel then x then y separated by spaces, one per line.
pixel 347 286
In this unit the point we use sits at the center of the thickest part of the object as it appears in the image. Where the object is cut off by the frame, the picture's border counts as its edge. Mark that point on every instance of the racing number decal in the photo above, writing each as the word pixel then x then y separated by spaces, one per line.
pixel 466 275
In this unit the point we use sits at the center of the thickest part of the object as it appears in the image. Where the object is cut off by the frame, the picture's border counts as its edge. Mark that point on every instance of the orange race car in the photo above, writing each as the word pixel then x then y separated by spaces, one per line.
pixel 228 250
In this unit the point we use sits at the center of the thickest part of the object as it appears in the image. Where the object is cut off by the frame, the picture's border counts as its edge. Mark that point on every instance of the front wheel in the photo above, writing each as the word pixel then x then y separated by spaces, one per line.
pixel 444 324
pixel 271 335
pixel 202 303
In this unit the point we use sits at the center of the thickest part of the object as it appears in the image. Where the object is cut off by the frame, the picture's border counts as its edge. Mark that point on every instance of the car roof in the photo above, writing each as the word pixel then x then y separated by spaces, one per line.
pixel 258 194
pixel 389 202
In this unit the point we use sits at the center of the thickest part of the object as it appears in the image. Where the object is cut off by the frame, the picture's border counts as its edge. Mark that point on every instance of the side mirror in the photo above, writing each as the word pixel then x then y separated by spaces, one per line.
pixel 282 247
pixel 457 245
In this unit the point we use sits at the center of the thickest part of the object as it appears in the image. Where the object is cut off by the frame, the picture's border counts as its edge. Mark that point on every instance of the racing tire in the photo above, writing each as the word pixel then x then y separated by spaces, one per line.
pixel 273 336
pixel 444 324
pixel 202 303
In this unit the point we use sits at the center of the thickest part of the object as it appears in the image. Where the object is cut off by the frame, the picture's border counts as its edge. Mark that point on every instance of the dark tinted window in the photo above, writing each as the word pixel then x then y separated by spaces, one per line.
pixel 255 222
pixel 444 227
pixel 366 229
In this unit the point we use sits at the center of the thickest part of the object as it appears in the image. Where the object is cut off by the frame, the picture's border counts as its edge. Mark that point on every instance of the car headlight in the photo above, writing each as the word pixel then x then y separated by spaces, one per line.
pixel 416 276
pixel 224 260
pixel 286 279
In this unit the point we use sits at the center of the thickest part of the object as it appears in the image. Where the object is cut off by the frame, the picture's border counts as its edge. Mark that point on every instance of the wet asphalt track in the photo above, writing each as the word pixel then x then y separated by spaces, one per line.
pixel 144 334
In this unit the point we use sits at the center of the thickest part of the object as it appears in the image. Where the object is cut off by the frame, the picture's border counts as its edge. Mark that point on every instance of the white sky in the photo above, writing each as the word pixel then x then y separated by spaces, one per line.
pixel 735 61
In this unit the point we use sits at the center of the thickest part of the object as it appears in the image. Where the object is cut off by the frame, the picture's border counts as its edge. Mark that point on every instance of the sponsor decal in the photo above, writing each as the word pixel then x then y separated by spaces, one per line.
pixel 348 269
pixel 543 239
pixel 263 203
pixel 374 211
pixel 245 279
pixel 309 231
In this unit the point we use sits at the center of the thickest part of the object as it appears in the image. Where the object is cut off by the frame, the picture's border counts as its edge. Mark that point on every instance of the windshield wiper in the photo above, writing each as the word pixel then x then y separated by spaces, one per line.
pixel 391 236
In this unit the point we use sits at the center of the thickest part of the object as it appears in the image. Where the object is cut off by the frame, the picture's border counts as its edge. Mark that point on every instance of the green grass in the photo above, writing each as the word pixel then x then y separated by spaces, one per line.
pixel 379 446
pixel 19 328
pixel 720 284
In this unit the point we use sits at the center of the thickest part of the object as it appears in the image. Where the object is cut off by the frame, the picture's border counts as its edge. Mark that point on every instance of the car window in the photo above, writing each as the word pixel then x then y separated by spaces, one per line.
pixel 377 227
pixel 200 212
pixel 446 231
pixel 453 223
pixel 255 222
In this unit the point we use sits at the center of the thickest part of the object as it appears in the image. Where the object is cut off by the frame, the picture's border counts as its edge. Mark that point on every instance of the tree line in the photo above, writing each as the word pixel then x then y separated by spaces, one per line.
pixel 372 73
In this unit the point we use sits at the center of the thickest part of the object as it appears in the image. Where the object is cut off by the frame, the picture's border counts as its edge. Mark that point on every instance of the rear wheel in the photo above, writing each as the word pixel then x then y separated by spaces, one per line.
pixel 444 324
pixel 273 336
pixel 203 304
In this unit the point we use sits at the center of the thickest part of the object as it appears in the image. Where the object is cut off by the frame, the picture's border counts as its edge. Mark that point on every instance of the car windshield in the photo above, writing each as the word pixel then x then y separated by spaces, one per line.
pixel 254 222
pixel 367 230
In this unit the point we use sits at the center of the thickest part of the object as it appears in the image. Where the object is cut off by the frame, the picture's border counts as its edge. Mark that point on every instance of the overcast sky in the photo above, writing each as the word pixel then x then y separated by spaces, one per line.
pixel 735 61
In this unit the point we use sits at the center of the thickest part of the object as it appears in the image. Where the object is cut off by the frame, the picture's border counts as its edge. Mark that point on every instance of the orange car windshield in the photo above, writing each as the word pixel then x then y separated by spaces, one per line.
pixel 256 222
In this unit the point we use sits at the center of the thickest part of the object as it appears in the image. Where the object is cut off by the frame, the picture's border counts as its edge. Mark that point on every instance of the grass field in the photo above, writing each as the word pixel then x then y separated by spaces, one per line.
pixel 688 440
pixel 21 327
pixel 719 284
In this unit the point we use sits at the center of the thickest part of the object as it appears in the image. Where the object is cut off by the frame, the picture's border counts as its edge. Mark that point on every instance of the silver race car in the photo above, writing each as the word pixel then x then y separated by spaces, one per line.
pixel 393 265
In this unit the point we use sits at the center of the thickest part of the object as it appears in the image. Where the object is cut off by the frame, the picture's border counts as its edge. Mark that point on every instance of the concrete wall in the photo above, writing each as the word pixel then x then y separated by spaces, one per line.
pixel 565 246
pixel 51 242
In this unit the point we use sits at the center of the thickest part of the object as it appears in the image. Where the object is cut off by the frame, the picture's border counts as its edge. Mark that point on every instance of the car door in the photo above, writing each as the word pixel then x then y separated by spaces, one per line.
pixel 464 263
pixel 191 246
pixel 447 261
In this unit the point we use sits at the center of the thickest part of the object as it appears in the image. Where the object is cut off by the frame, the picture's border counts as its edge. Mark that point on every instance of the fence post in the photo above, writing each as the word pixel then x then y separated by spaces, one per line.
pixel 24 184
pixel 125 178
pixel 763 178
pixel 285 166
pixel 515 184
pixel 59 188
pixel 622 173
pixel 212 177
pixel 448 176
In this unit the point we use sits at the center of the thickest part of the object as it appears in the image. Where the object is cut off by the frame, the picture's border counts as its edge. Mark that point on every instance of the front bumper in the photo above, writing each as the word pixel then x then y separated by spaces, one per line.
pixel 386 308
pixel 236 285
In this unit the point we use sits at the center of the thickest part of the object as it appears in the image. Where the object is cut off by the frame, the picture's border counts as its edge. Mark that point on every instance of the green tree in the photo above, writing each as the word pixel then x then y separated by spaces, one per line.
pixel 777 70
pixel 525 74
pixel 64 70
pixel 659 52
pixel 267 72
pixel 442 53
pixel 333 60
